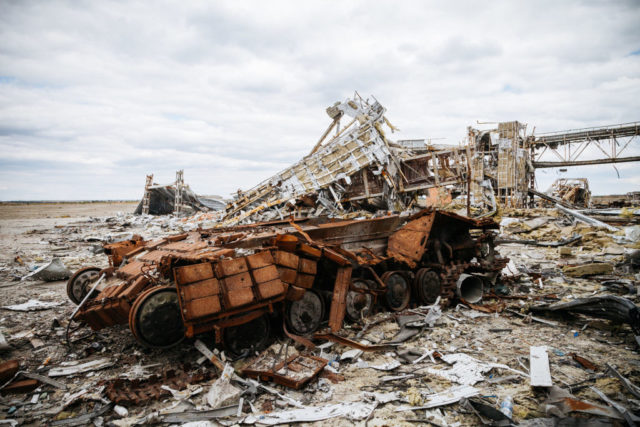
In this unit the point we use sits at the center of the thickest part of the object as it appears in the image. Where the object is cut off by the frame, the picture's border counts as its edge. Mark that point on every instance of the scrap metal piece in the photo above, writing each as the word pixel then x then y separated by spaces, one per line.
pixel 447 397
pixel 611 307
pixel 141 391
pixel 294 372
pixel 587 364
pixel 72 368
pixel 54 270
pixel 351 343
pixel 632 388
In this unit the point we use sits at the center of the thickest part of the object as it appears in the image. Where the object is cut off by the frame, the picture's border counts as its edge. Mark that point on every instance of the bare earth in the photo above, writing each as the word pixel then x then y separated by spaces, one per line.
pixel 31 235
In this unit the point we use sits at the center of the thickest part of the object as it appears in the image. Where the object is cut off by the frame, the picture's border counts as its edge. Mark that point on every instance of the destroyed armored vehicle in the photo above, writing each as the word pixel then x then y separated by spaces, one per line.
pixel 239 284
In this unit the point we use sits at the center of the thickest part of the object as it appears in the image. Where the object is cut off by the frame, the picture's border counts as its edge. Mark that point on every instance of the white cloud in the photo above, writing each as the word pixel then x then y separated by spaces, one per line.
pixel 93 97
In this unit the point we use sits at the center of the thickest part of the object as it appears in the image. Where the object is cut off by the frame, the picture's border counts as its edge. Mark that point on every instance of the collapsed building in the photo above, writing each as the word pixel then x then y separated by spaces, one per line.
pixel 174 198
pixel 361 170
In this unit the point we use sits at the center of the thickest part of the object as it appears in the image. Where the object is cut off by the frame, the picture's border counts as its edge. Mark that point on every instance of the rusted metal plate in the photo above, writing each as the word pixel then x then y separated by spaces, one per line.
pixel 200 289
pixel 260 260
pixel 238 297
pixel 286 259
pixel 185 246
pixel 304 280
pixel 408 244
pixel 265 274
pixel 201 307
pixel 307 266
pixel 287 275
pixel 228 267
pixel 270 289
pixel 131 270
pixel 294 373
pixel 339 301
pixel 193 273
pixel 237 281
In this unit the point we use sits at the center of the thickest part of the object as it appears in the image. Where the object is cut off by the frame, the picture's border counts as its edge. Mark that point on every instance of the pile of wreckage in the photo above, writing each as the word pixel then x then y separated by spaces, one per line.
pixel 175 198
pixel 289 315
pixel 350 285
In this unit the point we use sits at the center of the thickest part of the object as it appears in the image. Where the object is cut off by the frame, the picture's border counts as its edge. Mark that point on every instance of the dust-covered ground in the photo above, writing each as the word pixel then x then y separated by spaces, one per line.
pixel 32 234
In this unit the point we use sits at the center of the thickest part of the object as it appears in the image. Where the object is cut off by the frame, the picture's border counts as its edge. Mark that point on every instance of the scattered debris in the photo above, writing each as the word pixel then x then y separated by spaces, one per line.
pixel 32 305
pixel 54 270
pixel 75 367
pixel 354 411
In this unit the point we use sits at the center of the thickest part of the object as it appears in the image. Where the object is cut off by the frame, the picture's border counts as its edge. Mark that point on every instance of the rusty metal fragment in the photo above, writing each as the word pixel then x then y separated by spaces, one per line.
pixel 140 391
pixel 294 372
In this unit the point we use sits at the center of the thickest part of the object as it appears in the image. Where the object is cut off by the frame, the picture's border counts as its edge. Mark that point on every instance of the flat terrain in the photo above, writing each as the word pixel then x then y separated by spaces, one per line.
pixel 16 210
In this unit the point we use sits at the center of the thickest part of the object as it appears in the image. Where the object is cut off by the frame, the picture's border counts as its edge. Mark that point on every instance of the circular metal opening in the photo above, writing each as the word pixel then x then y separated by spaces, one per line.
pixel 470 288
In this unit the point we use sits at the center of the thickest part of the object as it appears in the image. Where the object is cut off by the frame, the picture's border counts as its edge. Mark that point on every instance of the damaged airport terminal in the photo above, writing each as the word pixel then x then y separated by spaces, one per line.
pixel 381 281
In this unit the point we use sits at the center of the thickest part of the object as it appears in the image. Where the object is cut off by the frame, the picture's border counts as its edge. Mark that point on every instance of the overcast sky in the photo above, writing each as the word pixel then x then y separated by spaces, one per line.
pixel 95 95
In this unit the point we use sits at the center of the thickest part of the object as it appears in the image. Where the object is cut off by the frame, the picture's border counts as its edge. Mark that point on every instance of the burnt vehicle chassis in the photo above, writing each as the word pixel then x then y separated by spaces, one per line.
pixel 240 283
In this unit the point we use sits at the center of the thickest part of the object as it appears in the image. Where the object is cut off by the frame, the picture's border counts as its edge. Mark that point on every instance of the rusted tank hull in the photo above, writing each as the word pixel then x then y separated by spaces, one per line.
pixel 226 278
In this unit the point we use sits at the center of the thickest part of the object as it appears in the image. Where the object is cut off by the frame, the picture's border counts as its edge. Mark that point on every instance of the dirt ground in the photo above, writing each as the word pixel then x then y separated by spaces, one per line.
pixel 30 235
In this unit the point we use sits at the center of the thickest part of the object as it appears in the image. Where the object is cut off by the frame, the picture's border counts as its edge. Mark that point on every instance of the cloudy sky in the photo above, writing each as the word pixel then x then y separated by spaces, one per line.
pixel 94 95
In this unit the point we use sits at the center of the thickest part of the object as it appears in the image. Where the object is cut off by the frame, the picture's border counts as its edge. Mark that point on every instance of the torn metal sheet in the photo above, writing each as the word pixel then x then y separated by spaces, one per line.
pixel 75 367
pixel 353 411
pixel 466 370
pixel 355 344
pixel 54 270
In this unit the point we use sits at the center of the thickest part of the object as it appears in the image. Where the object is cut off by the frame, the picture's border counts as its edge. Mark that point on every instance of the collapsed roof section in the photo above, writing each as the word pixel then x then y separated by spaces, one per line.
pixel 357 169
pixel 174 198
pixel 360 144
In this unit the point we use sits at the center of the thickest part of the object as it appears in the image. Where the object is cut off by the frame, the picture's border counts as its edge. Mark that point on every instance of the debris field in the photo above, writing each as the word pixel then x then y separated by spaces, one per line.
pixel 375 282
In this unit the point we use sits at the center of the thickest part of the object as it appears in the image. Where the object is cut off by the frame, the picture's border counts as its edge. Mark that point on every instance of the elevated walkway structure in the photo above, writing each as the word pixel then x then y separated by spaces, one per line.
pixel 569 146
